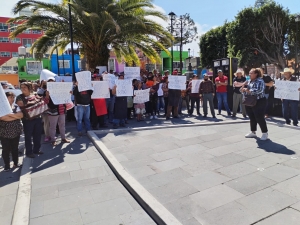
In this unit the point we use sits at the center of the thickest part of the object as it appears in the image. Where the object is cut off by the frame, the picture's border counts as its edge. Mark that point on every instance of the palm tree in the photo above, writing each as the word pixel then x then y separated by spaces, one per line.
pixel 98 27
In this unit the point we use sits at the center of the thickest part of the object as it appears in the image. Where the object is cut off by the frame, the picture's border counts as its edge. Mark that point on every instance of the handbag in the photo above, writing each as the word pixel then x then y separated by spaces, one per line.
pixel 33 107
pixel 249 100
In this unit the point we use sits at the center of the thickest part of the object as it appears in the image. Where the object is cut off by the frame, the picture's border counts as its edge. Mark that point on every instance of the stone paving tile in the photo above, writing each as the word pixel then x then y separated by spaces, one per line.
pixel 292 163
pixel 200 167
pixel 191 221
pixel 229 214
pixel 68 217
pixel 167 165
pixel 265 161
pixel 142 171
pixel 229 159
pixel 237 170
pixel 110 221
pixel 105 210
pixel 138 155
pixel 92 163
pixel 137 217
pixel 137 163
pixel 206 180
pixel 214 144
pixel 216 196
pixel 250 183
pixel 251 152
pixel 50 180
pixel 287 216
pixel 223 150
pixel 279 173
pixel 290 187
pixel 7 204
pixel 266 202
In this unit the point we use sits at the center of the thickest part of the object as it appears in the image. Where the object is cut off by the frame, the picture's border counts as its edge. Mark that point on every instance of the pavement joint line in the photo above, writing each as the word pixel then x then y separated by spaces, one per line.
pixel 22 206
pixel 170 126
pixel 151 205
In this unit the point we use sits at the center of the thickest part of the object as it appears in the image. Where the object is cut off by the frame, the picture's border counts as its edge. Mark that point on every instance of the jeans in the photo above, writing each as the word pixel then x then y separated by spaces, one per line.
pixel 193 101
pixel 83 113
pixel 257 115
pixel 237 100
pixel 110 104
pixel 222 98
pixel 290 107
pixel 210 98
pixel 32 131
pixel 160 103
pixel 10 145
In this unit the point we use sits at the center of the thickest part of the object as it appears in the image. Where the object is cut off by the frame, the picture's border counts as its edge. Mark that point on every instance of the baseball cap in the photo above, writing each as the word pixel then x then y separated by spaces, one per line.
pixel 51 78
pixel 220 71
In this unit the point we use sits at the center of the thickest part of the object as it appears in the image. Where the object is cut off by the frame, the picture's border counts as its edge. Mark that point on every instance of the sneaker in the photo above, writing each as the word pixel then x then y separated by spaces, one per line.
pixel 155 117
pixel 151 117
pixel 264 137
pixel 250 135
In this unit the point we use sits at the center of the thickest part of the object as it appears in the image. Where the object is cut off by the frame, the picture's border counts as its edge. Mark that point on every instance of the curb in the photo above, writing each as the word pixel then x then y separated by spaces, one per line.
pixel 22 206
pixel 154 208
pixel 169 126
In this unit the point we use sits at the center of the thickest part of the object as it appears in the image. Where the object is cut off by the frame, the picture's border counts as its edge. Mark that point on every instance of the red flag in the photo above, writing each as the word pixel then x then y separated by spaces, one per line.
pixel 100 106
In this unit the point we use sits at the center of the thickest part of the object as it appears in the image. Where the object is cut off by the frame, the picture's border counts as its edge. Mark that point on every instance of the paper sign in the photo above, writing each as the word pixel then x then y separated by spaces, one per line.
pixel 101 89
pixel 177 82
pixel 84 80
pixel 5 107
pixel 60 92
pixel 63 79
pixel 124 88
pixel 46 74
pixel 111 79
pixel 141 96
pixel 132 73
pixel 195 86
pixel 287 90
pixel 102 69
pixel 15 91
pixel 160 91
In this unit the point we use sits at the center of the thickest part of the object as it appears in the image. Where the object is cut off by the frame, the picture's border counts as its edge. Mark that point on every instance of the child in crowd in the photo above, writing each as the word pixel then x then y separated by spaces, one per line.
pixel 139 107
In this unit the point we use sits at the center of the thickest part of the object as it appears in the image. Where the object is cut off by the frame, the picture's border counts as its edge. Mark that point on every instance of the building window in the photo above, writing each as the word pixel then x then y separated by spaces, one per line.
pixel 15 40
pixel 15 54
pixel 36 31
pixel 111 64
pixel 12 27
pixel 4 54
pixel 79 64
pixel 34 67
pixel 15 68
pixel 64 64
pixel 4 40
pixel 3 27
pixel 27 42
pixel 6 68
pixel 27 32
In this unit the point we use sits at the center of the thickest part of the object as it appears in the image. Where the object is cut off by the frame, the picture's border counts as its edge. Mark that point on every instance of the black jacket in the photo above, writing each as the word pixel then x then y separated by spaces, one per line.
pixel 82 98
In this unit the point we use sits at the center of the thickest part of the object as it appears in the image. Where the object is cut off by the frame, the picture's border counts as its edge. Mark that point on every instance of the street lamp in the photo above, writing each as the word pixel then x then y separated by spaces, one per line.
pixel 172 18
pixel 71 39
pixel 297 19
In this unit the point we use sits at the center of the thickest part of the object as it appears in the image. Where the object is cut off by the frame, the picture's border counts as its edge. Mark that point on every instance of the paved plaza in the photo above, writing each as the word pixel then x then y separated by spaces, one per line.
pixel 212 175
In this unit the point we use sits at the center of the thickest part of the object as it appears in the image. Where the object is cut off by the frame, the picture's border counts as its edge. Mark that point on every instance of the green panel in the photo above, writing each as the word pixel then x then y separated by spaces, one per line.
pixel 22 65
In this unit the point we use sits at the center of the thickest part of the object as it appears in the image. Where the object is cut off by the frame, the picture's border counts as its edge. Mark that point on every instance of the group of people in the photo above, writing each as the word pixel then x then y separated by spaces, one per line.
pixel 117 110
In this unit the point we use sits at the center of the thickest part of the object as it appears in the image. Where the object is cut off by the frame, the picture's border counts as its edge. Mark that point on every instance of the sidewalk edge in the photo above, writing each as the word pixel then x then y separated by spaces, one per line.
pixel 154 208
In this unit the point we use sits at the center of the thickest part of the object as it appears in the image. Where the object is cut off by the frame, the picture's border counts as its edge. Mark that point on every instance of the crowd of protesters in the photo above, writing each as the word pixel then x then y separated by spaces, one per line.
pixel 163 101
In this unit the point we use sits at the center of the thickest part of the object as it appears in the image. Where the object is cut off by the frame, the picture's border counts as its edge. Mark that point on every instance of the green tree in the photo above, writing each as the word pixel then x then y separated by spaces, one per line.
pixel 98 26
pixel 213 45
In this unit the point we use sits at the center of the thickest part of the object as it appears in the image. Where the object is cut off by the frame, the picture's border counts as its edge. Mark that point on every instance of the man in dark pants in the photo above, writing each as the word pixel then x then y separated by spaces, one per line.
pixel 207 93
pixel 269 84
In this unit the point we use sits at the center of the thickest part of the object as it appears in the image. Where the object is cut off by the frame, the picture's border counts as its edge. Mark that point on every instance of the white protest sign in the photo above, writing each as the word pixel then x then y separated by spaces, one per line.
pixel 160 91
pixel 101 89
pixel 177 82
pixel 15 91
pixel 124 88
pixel 60 92
pixel 46 74
pixel 101 69
pixel 287 90
pixel 132 73
pixel 111 79
pixel 5 107
pixel 141 96
pixel 84 80
pixel 195 86
pixel 63 79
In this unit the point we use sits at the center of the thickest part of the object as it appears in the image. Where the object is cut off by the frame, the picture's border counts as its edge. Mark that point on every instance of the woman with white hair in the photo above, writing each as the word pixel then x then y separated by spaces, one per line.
pixel 238 82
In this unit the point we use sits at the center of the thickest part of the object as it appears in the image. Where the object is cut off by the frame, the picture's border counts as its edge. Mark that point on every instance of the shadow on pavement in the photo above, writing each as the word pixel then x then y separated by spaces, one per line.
pixel 270 146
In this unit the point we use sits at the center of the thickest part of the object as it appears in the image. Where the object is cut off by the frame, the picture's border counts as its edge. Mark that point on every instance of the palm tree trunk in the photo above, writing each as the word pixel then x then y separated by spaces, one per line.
pixel 97 57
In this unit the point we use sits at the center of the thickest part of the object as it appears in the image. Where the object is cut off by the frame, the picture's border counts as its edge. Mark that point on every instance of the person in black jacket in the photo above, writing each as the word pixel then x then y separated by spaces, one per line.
pixel 82 101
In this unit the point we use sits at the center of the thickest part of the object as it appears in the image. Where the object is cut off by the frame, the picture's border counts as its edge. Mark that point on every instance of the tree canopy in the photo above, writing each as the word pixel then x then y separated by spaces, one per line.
pixel 98 26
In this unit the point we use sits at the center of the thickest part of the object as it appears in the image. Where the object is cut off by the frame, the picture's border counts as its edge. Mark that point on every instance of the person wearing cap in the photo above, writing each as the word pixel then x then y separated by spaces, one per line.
pixel 207 93
pixel 238 82
pixel 194 97
pixel 4 85
pixel 221 86
pixel 290 107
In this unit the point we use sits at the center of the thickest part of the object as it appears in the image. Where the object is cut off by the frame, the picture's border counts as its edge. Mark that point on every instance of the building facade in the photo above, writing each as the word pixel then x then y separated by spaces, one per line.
pixel 9 46
pixel 167 61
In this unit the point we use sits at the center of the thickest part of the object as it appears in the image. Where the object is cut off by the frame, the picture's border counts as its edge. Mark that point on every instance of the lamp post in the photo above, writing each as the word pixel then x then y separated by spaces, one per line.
pixel 296 63
pixel 71 39
pixel 172 18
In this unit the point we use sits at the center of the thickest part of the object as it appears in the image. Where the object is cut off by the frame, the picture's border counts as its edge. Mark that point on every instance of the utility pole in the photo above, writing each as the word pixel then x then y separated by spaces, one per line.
pixel 71 39
pixel 172 18
pixel 181 44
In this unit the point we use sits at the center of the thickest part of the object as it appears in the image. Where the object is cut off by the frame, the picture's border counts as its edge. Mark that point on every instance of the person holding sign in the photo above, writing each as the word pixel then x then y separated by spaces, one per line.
pixel 256 112
pixel 139 107
pixel 120 107
pixel 173 101
pixel 290 107
pixel 10 131
pixel 194 96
